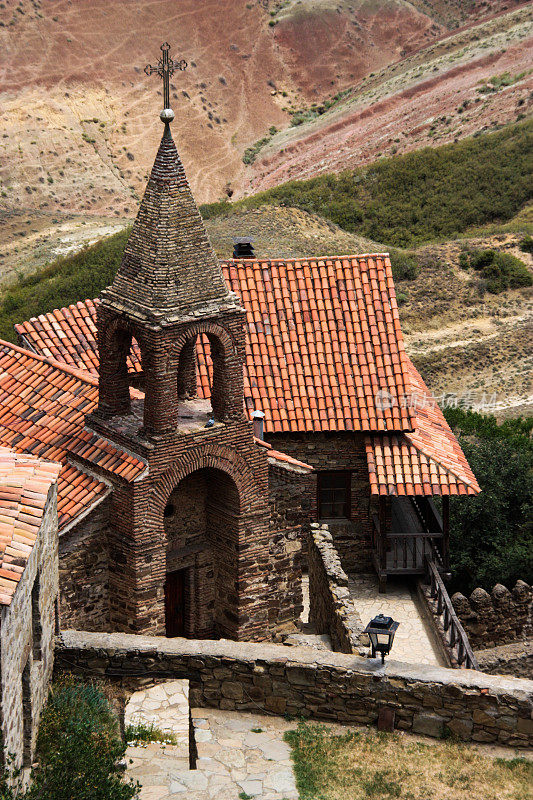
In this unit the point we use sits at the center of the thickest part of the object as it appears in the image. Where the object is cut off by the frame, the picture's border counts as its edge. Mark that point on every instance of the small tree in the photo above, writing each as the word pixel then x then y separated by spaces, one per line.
pixel 490 534
pixel 79 748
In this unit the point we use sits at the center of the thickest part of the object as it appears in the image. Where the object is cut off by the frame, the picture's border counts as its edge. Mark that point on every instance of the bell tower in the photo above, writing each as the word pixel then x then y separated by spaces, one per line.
pixel 189 536
pixel 168 291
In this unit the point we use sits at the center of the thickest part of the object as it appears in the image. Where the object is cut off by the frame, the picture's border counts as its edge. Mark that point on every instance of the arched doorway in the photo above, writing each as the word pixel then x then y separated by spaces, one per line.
pixel 201 521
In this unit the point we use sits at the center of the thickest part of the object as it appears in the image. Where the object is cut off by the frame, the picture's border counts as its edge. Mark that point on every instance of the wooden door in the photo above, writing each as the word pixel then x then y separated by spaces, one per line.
pixel 175 603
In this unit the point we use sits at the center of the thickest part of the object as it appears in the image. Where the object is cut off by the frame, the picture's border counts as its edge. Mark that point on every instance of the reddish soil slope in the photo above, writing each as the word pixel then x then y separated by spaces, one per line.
pixel 79 119
pixel 435 96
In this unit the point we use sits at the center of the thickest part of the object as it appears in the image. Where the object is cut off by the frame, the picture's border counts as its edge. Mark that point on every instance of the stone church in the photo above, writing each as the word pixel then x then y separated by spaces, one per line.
pixel 180 514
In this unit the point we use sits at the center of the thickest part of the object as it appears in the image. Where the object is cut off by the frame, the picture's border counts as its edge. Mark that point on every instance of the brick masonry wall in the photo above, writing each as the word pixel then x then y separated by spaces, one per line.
pixel 84 572
pixel 331 610
pixel 500 617
pixel 248 676
pixel 138 542
pixel 339 452
pixel 290 496
pixel 26 667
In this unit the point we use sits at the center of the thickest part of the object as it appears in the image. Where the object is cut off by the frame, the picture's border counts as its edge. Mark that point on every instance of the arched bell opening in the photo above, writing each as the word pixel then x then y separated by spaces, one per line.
pixel 114 387
pixel 135 366
pixel 203 374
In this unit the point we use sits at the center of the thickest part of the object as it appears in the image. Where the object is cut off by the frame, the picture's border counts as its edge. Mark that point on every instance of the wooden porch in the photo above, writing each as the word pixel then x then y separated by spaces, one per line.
pixel 407 532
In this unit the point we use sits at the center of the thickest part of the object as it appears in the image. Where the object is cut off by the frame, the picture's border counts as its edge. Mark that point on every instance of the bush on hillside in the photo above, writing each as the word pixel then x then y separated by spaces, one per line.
pixel 500 270
pixel 404 265
pixel 526 244
pixel 490 534
pixel 427 194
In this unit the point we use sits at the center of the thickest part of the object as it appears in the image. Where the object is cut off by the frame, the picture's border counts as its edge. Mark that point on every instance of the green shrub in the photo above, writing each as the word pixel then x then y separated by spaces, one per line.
pixel 79 748
pixel 79 751
pixel 490 533
pixel 427 194
pixel 404 265
pixel 500 270
pixel 526 244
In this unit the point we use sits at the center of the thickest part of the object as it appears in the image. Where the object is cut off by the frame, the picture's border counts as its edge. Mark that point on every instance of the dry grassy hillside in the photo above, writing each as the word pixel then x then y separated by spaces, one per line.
pixel 79 119
pixel 473 80
pixel 465 341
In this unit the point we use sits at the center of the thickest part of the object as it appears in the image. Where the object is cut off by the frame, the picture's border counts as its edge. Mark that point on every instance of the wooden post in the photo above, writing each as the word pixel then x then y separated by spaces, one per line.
pixel 446 532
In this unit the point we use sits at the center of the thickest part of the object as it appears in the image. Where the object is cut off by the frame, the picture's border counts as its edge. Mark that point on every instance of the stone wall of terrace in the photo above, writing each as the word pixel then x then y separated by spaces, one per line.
pixel 316 684
pixel 500 617
pixel 331 609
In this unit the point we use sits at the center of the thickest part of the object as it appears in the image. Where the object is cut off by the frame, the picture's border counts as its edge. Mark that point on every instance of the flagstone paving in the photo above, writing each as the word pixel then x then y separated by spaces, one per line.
pixel 414 641
pixel 236 753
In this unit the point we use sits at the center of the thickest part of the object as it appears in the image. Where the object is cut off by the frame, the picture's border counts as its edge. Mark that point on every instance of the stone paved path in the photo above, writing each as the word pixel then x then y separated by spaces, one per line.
pixel 242 753
pixel 414 640
pixel 237 753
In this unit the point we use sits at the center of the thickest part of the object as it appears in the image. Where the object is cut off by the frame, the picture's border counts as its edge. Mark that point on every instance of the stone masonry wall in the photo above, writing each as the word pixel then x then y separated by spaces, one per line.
pixel 84 572
pixel 497 618
pixel 27 642
pixel 326 452
pixel 508 659
pixel 331 610
pixel 291 495
pixel 247 676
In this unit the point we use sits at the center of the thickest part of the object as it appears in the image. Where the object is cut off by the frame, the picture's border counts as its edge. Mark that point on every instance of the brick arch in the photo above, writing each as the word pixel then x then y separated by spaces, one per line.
pixel 209 328
pixel 207 456
pixel 222 486
pixel 226 390
pixel 115 337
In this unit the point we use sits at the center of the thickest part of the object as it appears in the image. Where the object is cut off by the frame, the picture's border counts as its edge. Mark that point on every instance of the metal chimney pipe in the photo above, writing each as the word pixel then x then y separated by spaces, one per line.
pixel 259 423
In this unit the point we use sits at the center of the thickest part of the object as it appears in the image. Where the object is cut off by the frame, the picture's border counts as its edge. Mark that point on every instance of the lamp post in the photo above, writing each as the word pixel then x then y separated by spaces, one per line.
pixel 381 632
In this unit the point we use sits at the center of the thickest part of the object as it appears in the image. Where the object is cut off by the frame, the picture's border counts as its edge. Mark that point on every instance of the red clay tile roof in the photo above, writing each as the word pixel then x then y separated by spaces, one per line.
pixel 323 340
pixel 426 461
pixel 24 484
pixel 42 409
pixel 279 459
pixel 324 350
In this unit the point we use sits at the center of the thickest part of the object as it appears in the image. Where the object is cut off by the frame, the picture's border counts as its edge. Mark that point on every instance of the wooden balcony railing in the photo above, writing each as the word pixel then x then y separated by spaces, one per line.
pixel 453 630
pixel 402 552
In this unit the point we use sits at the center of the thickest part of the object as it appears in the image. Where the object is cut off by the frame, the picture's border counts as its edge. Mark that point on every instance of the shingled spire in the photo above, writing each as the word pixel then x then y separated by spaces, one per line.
pixel 169 270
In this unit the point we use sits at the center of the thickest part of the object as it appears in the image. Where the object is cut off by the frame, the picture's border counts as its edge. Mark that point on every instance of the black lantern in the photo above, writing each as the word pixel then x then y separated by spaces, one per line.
pixel 381 632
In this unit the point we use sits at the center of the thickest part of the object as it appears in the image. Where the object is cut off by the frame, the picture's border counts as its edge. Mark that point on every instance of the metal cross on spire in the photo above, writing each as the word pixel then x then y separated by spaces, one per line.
pixel 165 69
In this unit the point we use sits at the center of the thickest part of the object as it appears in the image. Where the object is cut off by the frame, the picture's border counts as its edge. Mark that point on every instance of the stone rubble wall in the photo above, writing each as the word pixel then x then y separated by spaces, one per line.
pixel 339 451
pixel 497 618
pixel 27 652
pixel 508 659
pixel 271 678
pixel 290 496
pixel 331 609
pixel 84 572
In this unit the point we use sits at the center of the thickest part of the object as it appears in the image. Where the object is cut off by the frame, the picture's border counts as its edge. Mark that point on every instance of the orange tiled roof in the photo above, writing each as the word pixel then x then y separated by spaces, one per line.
pixel 42 408
pixel 279 459
pixel 24 484
pixel 323 340
pixel 425 461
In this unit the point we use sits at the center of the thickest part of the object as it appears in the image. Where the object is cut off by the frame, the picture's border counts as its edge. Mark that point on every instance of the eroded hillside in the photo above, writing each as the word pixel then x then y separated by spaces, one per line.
pixel 477 79
pixel 79 119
